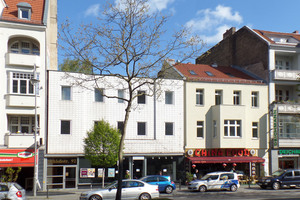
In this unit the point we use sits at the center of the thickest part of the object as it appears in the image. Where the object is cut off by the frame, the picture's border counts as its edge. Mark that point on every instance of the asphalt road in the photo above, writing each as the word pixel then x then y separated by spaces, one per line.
pixel 244 192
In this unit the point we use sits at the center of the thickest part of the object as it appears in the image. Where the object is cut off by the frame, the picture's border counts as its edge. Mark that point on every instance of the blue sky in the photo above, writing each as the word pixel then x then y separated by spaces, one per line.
pixel 208 18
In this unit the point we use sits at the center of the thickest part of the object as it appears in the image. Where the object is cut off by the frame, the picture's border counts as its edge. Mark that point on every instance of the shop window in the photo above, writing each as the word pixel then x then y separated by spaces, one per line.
pixel 141 128
pixel 65 127
pixel 141 97
pixel 66 93
pixel 232 128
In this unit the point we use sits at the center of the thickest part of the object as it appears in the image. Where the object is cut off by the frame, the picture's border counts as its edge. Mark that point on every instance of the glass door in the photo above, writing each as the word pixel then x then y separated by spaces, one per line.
pixel 70 177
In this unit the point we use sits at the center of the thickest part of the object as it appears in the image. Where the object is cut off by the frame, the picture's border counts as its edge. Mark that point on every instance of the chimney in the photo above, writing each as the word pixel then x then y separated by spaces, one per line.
pixel 229 32
pixel 296 31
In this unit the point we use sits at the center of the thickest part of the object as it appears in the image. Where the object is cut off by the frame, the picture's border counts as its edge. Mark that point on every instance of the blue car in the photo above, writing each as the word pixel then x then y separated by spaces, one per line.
pixel 164 183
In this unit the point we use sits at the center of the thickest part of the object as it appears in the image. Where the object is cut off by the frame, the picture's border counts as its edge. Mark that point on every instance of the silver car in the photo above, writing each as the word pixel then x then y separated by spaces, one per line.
pixel 131 189
pixel 12 191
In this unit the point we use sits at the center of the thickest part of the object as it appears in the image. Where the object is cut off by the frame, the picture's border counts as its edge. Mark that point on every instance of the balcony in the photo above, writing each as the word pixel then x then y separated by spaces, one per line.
pixel 286 75
pixel 23 59
pixel 292 108
pixel 19 140
pixel 17 100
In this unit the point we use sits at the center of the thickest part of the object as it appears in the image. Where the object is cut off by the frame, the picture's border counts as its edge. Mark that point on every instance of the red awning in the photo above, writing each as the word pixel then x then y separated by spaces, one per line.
pixel 232 159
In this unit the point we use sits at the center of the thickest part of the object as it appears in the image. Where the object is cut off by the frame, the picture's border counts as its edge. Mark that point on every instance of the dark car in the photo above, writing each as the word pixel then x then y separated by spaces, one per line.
pixel 281 178
pixel 164 182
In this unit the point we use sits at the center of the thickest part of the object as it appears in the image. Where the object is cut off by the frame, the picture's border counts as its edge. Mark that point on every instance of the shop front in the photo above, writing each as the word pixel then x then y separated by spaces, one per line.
pixel 288 158
pixel 244 161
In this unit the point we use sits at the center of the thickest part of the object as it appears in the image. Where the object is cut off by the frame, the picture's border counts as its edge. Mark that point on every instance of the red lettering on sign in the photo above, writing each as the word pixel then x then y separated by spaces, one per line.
pixel 197 152
pixel 203 152
pixel 246 152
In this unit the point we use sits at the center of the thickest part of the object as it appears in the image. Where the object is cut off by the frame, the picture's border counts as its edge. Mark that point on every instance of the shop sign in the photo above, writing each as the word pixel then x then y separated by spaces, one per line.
pixel 62 161
pixel 219 152
pixel 16 158
pixel 289 152
pixel 275 129
pixel 111 172
pixel 87 172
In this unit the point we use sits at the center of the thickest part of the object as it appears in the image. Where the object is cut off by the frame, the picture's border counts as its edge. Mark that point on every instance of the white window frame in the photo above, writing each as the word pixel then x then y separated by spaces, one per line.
pixel 63 97
pixel 254 99
pixel 18 126
pixel 218 97
pixel 199 97
pixel 141 99
pixel 200 127
pixel 169 97
pixel 232 126
pixel 17 78
pixel 99 94
pixel 236 97
pixel 121 96
pixel 32 49
pixel 255 128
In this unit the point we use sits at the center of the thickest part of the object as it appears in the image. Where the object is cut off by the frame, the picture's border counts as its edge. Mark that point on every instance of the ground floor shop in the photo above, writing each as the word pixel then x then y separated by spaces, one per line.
pixel 285 158
pixel 245 162
pixel 69 172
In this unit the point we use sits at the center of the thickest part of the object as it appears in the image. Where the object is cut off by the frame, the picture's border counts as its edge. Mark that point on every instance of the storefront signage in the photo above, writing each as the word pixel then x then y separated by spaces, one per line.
pixel 62 161
pixel 87 172
pixel 16 158
pixel 111 172
pixel 289 152
pixel 220 152
pixel 275 129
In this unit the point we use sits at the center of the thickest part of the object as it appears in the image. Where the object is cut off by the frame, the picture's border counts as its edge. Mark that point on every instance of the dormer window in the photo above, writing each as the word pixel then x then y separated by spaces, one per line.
pixel 192 72
pixel 24 11
pixel 209 73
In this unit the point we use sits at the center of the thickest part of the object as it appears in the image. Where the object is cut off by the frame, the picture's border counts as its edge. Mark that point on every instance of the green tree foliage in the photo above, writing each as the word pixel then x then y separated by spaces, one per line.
pixel 11 174
pixel 101 146
pixel 76 65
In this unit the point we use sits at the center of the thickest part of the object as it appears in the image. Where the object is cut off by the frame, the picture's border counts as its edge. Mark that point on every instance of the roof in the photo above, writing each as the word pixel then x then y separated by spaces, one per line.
pixel 207 73
pixel 10 12
pixel 268 34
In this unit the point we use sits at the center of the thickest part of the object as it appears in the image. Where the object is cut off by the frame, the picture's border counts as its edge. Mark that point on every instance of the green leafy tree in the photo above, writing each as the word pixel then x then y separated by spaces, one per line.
pixel 101 146
pixel 128 43
pixel 75 66
pixel 11 174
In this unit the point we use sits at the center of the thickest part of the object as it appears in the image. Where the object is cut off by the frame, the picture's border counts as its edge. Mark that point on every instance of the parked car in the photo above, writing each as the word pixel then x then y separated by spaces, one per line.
pixel 281 178
pixel 131 189
pixel 216 181
pixel 12 191
pixel 164 182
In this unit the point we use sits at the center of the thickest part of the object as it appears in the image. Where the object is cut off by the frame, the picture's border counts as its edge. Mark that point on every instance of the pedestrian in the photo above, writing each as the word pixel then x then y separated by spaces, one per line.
pixel 195 175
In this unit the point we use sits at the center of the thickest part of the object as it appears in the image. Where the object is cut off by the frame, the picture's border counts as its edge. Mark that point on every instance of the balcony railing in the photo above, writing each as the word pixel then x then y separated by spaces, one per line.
pixel 23 59
pixel 288 75
pixel 16 100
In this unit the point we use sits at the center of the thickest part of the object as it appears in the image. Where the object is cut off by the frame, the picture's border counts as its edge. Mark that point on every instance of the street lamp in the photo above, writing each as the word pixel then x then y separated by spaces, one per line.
pixel 34 81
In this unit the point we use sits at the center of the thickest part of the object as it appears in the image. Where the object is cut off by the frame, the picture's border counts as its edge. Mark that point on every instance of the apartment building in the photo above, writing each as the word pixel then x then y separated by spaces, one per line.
pixel 28 45
pixel 154 139
pixel 274 57
pixel 225 118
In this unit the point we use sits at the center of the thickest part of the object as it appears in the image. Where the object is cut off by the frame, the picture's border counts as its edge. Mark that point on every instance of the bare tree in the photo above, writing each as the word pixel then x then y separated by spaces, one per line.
pixel 130 44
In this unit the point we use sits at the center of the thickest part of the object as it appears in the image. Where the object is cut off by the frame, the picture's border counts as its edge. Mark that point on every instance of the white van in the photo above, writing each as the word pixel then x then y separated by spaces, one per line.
pixel 216 181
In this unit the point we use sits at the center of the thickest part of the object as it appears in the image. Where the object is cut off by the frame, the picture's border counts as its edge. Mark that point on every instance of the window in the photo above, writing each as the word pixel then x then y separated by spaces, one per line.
pixel 200 129
pixel 24 10
pixel 232 128
pixel 24 47
pixel 214 128
pixel 141 128
pixel 192 72
pixel 120 96
pixel 121 127
pixel 254 99
pixel 99 94
pixel 209 73
pixel 255 129
pixel 218 97
pixel 65 92
pixel 169 129
pixel 199 96
pixel 65 127
pixel 289 126
pixel 279 95
pixel 22 124
pixel 141 97
pixel 21 83
pixel 169 97
pixel 236 97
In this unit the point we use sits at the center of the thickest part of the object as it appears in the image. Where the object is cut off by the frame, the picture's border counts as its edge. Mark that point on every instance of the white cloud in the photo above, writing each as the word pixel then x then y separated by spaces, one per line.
pixel 93 10
pixel 211 24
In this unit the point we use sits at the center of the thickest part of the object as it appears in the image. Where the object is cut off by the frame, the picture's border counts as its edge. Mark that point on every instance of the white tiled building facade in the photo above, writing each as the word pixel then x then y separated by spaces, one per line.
pixel 77 108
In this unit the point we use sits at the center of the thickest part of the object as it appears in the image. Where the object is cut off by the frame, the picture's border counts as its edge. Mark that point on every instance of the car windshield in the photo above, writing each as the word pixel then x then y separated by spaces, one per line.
pixel 278 173
pixel 112 185
pixel 210 176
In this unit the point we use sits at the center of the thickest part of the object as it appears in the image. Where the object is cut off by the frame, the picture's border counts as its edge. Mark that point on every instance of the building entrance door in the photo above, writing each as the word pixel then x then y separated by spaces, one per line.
pixel 70 177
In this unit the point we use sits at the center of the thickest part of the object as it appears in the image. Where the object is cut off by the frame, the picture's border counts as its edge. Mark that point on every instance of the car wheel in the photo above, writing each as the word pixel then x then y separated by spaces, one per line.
pixel 233 187
pixel 95 197
pixel 169 189
pixel 144 196
pixel 202 188
pixel 276 185
pixel 263 187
